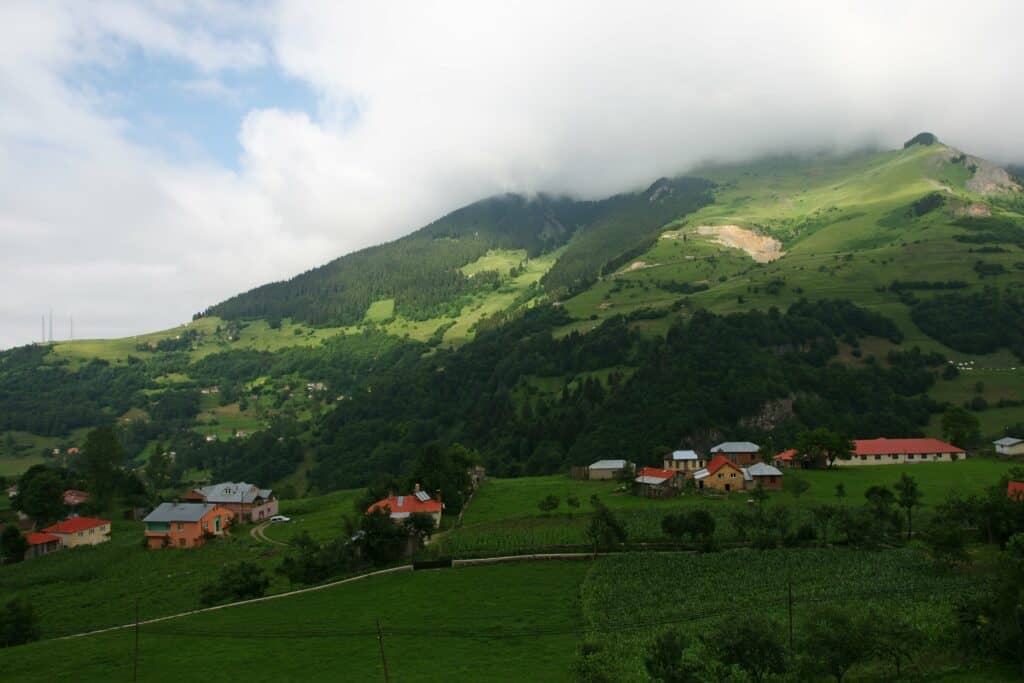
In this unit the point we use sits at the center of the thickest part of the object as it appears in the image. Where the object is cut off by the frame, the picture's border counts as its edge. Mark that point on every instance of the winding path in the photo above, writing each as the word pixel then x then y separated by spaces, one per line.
pixel 259 533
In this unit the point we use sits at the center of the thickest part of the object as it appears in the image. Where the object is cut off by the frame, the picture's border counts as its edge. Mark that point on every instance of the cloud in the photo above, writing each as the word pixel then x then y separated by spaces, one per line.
pixel 422 107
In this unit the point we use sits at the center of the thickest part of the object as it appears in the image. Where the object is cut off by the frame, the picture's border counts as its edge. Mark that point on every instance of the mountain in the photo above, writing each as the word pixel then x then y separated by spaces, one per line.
pixel 868 293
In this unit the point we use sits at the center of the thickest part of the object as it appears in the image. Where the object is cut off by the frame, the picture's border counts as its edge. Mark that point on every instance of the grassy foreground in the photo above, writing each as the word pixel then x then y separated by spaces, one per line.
pixel 471 623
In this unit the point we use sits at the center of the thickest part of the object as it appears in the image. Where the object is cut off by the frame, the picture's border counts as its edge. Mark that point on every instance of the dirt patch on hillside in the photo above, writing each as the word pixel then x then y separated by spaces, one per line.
pixel 761 248
pixel 636 265
pixel 976 210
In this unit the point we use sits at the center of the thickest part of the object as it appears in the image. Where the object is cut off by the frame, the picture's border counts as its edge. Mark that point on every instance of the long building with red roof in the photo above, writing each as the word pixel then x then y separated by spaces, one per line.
pixel 901 451
pixel 41 544
pixel 79 531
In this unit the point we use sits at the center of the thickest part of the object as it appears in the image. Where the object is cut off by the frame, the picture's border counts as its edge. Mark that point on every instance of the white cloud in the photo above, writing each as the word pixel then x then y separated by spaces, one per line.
pixel 426 106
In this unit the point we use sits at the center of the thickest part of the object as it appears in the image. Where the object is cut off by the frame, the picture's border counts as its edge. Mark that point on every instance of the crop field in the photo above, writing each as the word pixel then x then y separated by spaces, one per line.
pixel 628 599
pixel 472 623
pixel 87 588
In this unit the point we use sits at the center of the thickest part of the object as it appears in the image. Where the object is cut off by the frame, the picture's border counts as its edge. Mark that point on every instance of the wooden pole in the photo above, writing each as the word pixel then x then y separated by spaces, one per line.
pixel 383 659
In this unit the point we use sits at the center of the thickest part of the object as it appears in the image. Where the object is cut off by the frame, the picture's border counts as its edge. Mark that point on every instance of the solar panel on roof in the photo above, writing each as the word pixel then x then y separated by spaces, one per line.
pixel 422 496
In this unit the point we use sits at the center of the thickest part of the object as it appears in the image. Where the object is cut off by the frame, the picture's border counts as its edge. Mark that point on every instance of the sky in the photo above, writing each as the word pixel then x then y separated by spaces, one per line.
pixel 159 157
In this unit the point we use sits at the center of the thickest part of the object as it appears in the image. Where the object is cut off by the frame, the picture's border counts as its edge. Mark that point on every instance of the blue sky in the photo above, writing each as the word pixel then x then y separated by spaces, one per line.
pixel 185 113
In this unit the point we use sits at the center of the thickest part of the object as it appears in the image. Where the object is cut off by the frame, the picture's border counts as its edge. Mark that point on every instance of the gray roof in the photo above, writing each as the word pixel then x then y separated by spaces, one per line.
pixel 231 492
pixel 179 512
pixel 760 469
pixel 685 455
pixel 609 465
pixel 1008 441
pixel 701 474
pixel 736 447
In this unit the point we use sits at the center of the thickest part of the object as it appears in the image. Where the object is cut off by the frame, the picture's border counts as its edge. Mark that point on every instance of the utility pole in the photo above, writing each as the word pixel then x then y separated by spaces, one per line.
pixel 383 659
pixel 135 658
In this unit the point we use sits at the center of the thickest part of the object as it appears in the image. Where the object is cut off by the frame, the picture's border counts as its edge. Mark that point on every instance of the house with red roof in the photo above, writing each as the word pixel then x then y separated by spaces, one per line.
pixel 40 544
pixel 787 458
pixel 655 482
pixel 1015 490
pixel 721 474
pixel 400 507
pixel 79 531
pixel 900 451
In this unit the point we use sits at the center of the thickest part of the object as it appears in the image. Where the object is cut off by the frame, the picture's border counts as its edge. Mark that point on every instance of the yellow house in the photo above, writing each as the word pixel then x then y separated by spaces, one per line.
pixel 79 531
pixel 721 474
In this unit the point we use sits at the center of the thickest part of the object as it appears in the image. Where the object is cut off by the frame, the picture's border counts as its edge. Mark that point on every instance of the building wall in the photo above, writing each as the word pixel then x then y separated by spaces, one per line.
pixel 741 459
pixel 603 474
pixel 686 467
pixel 187 534
pixel 93 536
pixel 895 459
pixel 1017 449
pixel 252 513
pixel 768 482
pixel 731 479
pixel 41 549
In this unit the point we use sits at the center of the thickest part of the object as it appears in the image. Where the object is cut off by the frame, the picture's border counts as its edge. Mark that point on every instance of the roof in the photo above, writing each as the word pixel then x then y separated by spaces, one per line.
pixel 736 447
pixel 685 455
pixel 609 465
pixel 717 463
pixel 760 469
pixel 232 492
pixel 1015 490
pixel 179 512
pixel 1008 441
pixel 40 539
pixel 403 506
pixel 75 524
pixel 74 497
pixel 785 456
pixel 653 476
pixel 901 446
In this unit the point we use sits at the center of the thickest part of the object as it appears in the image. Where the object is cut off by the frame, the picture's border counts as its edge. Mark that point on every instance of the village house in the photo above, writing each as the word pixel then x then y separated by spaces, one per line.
pixel 608 469
pixel 1015 490
pixel 79 531
pixel 686 462
pixel 400 507
pixel 764 475
pixel 740 453
pixel 899 451
pixel 721 474
pixel 185 525
pixel 786 459
pixel 1009 445
pixel 248 502
pixel 40 544
pixel 654 482
pixel 12 491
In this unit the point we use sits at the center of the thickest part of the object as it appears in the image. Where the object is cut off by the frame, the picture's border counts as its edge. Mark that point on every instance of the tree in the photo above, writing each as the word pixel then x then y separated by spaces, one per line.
pixel 100 458
pixel 549 504
pixel 18 623
pixel 840 492
pixel 573 502
pixel 960 427
pixel 880 502
pixel 836 640
pixel 239 581
pixel 421 525
pixel 823 517
pixel 894 638
pixel 12 545
pixel 822 445
pixel 605 531
pixel 159 471
pixel 379 538
pixel 672 661
pixel 797 486
pixel 750 642
pixel 41 495
pixel 947 543
pixel 908 496
pixel 675 525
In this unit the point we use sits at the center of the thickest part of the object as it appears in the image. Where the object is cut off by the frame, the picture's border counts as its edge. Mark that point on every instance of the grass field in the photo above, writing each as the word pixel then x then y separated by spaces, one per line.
pixel 465 624
pixel 320 516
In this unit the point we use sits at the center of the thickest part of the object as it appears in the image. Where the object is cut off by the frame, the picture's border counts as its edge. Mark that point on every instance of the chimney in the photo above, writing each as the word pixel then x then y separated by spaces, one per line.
pixel 437 496
pixel 416 488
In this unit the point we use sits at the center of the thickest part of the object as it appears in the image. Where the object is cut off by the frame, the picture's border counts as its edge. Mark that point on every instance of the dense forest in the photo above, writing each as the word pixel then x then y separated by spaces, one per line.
pixel 981 322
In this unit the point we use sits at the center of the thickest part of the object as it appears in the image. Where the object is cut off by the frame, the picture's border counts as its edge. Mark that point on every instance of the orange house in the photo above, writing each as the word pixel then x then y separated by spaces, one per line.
pixel 185 525
pixel 720 474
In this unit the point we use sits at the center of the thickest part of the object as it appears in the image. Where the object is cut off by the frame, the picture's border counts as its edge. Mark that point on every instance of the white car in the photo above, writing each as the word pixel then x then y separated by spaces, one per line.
pixel 280 518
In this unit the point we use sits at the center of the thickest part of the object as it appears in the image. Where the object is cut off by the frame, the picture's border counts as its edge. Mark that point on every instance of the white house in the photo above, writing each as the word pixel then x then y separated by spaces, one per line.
pixel 608 469
pixel 1009 445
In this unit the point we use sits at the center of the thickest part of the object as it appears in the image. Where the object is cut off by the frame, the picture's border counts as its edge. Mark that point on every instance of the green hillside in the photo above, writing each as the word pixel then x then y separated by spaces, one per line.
pixel 927 237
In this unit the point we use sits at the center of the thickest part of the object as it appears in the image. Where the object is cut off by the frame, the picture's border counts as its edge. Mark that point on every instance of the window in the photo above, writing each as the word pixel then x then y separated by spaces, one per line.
pixel 863 457
pixel 878 457
pixel 79 534
pixel 732 476
pixel 894 456
pixel 181 542
pixel 181 526
pixel 92 531
pixel 910 456
pixel 721 476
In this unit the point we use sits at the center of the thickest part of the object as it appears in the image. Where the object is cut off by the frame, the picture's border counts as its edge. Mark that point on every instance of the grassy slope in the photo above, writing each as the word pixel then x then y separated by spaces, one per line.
pixel 472 623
